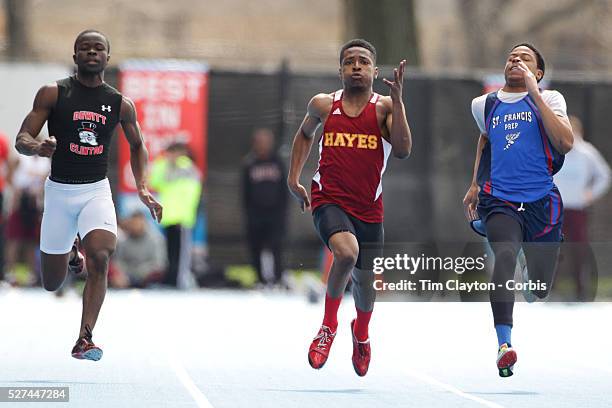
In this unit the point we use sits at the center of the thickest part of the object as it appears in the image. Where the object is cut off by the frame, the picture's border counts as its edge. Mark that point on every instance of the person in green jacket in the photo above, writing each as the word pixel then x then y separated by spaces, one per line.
pixel 178 182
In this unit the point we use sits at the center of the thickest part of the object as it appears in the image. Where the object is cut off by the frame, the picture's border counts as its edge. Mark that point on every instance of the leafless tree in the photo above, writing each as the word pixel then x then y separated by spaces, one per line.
pixel 388 24
pixel 488 33
pixel 18 45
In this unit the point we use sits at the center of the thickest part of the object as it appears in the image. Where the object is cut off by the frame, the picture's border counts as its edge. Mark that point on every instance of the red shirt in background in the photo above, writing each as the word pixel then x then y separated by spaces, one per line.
pixel 4 153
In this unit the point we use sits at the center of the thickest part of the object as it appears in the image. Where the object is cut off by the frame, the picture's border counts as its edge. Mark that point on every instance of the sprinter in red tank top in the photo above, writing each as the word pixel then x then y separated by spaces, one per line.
pixel 360 130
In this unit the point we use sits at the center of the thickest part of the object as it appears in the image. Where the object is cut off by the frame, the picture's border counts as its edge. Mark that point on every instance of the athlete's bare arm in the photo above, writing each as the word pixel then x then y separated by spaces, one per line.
pixel 139 156
pixel 318 107
pixel 396 122
pixel 26 142
pixel 470 201
pixel 558 128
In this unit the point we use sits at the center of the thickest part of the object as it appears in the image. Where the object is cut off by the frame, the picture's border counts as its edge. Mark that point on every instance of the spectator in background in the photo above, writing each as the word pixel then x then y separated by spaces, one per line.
pixel 177 180
pixel 264 195
pixel 140 258
pixel 584 178
pixel 23 226
pixel 4 166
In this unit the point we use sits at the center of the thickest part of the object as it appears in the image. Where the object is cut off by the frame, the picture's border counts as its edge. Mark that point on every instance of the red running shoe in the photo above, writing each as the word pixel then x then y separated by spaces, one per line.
pixel 77 264
pixel 361 354
pixel 85 349
pixel 506 358
pixel 320 346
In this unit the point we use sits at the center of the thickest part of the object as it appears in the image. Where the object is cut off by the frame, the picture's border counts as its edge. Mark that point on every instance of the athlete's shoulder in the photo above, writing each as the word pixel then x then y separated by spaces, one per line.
pixel 555 100
pixel 480 99
pixel 323 98
pixel 64 82
pixel 127 101
pixel 552 95
pixel 384 104
pixel 111 89
pixel 478 104
pixel 383 100
pixel 127 111
pixel 50 87
pixel 320 104
pixel 478 111
pixel 47 95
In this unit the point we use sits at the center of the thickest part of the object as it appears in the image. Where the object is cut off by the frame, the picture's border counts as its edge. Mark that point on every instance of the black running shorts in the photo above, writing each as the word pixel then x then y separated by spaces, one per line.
pixel 330 219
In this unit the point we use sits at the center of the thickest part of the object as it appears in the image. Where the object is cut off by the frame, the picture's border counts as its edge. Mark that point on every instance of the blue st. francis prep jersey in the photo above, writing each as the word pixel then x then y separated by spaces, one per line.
pixel 518 161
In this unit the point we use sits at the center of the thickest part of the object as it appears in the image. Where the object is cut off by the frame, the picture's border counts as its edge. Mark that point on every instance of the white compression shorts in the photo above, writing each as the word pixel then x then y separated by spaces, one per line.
pixel 72 208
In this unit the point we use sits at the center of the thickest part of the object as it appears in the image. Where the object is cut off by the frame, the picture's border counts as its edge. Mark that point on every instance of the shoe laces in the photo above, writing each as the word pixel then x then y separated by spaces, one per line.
pixel 325 336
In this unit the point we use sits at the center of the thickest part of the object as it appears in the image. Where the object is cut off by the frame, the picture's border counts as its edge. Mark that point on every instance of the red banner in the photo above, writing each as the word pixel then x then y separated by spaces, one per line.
pixel 171 99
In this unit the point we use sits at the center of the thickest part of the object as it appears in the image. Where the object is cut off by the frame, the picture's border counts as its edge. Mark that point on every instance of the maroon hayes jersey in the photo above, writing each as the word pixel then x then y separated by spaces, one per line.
pixel 352 159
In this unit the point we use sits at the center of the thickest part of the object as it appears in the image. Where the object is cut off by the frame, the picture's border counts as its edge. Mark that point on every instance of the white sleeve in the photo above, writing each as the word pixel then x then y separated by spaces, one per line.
pixel 600 176
pixel 556 102
pixel 478 111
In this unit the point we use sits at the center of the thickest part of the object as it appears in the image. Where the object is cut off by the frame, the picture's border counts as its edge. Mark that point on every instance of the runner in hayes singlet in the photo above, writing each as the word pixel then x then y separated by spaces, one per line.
pixel 360 130
pixel 82 114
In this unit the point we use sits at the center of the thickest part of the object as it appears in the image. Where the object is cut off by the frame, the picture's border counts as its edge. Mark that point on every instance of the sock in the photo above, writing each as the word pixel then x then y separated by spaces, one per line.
pixel 504 332
pixel 330 319
pixel 360 329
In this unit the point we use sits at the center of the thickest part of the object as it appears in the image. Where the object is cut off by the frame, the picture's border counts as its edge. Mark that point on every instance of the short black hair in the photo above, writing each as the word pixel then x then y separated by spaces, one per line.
pixel 357 42
pixel 539 57
pixel 92 31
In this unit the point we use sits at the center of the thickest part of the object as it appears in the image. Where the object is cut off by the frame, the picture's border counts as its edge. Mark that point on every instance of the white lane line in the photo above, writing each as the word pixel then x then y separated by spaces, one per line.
pixel 436 383
pixel 194 391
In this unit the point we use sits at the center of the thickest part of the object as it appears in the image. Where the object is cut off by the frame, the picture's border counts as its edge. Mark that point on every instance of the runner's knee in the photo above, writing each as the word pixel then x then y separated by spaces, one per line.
pixel 345 256
pixel 505 252
pixel 97 261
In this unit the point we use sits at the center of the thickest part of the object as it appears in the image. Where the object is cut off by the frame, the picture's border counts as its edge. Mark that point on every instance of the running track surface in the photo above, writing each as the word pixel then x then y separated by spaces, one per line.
pixel 248 349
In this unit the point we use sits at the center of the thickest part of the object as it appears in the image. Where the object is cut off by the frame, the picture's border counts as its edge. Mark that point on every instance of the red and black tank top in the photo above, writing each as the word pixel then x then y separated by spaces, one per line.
pixel 352 159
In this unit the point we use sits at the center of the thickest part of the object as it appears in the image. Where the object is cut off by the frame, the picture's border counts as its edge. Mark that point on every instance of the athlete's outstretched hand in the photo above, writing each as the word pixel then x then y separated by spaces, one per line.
pixel 470 202
pixel 531 83
pixel 147 198
pixel 47 147
pixel 300 193
pixel 395 87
